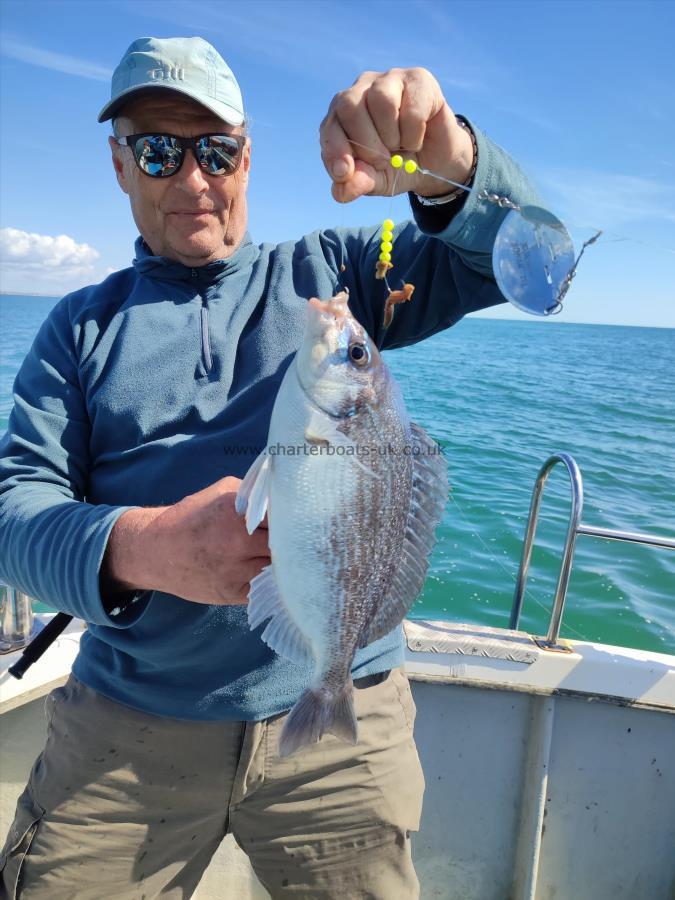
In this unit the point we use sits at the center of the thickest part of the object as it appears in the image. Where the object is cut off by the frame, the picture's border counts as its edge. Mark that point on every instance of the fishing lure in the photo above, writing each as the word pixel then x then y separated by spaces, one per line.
pixel 384 263
pixel 533 257
pixel 394 298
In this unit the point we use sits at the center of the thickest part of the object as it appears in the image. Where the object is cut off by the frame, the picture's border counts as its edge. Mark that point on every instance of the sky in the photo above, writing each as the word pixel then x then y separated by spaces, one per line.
pixel 582 94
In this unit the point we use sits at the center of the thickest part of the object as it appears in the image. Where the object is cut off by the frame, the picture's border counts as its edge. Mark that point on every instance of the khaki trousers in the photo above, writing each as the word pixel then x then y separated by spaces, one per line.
pixel 122 804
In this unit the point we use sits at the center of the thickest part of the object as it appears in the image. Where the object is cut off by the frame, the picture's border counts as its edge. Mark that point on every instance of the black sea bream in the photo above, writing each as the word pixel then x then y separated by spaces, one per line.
pixel 353 492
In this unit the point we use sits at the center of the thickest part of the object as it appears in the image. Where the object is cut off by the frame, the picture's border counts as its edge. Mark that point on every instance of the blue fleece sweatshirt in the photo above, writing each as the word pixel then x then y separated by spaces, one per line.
pixel 160 381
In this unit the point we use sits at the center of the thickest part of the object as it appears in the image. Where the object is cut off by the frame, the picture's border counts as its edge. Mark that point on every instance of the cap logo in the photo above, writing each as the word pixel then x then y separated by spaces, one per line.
pixel 177 73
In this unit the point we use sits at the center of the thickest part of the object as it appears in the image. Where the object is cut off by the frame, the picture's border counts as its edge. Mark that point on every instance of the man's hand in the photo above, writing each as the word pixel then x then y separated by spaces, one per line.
pixel 384 113
pixel 197 549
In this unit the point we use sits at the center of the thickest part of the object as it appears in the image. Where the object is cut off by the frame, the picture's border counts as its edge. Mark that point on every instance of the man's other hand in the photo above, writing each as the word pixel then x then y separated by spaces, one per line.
pixel 197 549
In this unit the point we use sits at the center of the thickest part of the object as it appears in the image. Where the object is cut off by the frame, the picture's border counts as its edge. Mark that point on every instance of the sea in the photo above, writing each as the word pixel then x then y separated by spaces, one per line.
pixel 500 397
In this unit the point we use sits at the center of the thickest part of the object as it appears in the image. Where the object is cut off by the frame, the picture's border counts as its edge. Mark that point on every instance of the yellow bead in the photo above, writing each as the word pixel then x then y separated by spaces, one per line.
pixel 385 257
pixel 387 235
pixel 386 246
pixel 410 166
pixel 397 161
pixel 388 224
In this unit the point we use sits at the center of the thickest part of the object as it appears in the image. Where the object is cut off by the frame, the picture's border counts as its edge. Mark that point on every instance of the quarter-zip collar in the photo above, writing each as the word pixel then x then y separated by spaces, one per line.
pixel 164 269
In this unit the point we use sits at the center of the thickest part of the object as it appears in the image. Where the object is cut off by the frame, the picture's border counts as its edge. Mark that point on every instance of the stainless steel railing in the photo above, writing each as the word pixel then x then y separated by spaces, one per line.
pixel 16 618
pixel 574 528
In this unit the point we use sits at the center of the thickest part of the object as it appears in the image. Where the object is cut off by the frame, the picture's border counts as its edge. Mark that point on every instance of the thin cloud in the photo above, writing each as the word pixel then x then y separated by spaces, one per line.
pixel 56 62
pixel 596 199
pixel 449 80
pixel 469 55
pixel 293 37
pixel 533 118
pixel 267 35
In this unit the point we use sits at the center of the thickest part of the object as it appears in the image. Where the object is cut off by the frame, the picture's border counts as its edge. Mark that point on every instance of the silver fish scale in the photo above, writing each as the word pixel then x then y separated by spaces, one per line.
pixel 367 562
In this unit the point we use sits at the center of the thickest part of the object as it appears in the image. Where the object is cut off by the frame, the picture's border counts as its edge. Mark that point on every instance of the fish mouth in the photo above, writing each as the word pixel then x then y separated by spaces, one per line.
pixel 335 309
pixel 333 317
pixel 330 377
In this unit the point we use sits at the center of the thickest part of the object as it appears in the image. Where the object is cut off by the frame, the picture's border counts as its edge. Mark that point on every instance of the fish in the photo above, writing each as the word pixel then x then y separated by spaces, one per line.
pixel 353 492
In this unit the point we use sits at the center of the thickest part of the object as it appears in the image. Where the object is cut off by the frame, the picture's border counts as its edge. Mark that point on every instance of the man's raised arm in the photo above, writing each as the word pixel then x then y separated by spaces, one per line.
pixel 447 251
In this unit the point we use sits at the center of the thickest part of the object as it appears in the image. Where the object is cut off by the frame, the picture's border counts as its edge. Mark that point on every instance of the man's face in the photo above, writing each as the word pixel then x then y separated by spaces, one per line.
pixel 192 217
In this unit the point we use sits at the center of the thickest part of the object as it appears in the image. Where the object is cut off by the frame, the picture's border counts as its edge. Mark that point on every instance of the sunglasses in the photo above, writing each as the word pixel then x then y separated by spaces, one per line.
pixel 162 155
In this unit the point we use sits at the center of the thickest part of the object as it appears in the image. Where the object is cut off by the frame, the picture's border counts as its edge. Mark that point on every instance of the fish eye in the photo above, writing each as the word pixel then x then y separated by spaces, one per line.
pixel 359 354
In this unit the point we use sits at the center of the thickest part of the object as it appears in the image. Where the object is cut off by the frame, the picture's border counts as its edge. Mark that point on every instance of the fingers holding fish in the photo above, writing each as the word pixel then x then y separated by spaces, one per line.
pixel 205 552
pixel 247 571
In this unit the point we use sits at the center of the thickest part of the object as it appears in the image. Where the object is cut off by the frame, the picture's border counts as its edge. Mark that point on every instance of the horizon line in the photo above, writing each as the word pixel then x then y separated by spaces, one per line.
pixel 531 320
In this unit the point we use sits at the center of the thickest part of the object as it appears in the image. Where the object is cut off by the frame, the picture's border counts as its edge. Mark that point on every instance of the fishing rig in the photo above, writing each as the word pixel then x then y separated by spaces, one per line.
pixel 533 258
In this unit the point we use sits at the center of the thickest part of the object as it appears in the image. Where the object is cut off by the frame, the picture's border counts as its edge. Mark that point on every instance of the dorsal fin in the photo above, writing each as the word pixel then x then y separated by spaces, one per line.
pixel 427 502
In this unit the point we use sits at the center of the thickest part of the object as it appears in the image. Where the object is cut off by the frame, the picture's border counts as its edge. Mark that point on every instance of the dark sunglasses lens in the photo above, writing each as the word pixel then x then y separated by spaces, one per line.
pixel 219 154
pixel 157 154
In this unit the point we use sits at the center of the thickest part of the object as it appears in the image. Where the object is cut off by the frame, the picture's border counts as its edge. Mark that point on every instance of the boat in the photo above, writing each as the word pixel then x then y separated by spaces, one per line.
pixel 549 763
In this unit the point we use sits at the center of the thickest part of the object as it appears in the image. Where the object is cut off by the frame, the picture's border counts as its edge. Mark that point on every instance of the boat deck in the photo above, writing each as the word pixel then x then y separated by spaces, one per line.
pixel 550 774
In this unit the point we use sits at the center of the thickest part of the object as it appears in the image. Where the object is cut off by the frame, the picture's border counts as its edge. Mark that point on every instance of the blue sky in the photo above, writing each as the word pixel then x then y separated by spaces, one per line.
pixel 581 93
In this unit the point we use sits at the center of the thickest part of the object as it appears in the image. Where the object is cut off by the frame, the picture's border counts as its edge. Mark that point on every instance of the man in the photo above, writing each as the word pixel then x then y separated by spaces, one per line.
pixel 139 408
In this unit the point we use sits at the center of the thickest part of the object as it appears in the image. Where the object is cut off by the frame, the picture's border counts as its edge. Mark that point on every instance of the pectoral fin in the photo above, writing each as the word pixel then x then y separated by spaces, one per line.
pixel 323 431
pixel 254 491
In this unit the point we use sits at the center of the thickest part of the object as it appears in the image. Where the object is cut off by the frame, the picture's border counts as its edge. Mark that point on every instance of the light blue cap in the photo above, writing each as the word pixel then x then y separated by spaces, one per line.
pixel 190 66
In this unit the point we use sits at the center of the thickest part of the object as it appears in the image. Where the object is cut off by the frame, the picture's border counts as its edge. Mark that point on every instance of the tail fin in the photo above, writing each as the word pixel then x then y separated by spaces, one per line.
pixel 315 713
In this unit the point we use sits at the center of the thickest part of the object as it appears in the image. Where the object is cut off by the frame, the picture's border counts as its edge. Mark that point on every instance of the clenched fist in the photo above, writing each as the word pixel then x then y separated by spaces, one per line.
pixel 382 113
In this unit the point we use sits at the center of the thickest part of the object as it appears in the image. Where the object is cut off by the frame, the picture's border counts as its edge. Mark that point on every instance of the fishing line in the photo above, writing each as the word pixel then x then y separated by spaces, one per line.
pixel 505 202
pixel 532 258
pixel 617 238
pixel 343 265
pixel 387 230
pixel 393 192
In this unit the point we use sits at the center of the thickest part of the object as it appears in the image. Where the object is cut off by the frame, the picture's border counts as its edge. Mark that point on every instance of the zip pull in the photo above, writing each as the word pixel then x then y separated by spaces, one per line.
pixel 206 343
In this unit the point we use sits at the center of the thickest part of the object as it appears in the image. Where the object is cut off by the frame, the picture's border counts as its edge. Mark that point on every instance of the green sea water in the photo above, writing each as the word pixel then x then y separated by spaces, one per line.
pixel 501 396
